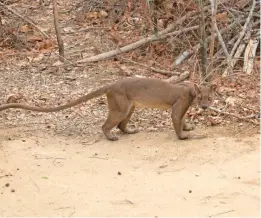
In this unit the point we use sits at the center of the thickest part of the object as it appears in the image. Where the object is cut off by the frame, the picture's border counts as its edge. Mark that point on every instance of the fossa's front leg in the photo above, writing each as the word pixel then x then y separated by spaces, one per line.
pixel 178 111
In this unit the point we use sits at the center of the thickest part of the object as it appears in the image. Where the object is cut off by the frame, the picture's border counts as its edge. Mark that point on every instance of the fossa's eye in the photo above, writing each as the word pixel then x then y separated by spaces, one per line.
pixel 210 98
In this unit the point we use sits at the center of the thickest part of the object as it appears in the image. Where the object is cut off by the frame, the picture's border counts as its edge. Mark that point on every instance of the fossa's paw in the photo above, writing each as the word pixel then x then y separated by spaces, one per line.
pixel 184 136
pixel 112 137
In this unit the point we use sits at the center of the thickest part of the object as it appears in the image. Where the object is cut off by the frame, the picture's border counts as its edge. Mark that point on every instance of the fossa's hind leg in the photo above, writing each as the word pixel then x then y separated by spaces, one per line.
pixel 123 124
pixel 119 107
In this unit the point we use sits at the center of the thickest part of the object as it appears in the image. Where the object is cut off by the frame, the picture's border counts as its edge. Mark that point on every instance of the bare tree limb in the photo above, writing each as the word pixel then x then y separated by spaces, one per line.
pixel 241 35
pixel 58 32
pixel 245 27
pixel 181 31
pixel 186 54
pixel 141 42
pixel 25 19
pixel 241 47
pixel 180 21
pixel 230 42
pixel 220 39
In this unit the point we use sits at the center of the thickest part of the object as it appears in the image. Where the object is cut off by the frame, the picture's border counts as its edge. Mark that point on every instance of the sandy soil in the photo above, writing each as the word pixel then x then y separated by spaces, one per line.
pixel 146 174
pixel 60 164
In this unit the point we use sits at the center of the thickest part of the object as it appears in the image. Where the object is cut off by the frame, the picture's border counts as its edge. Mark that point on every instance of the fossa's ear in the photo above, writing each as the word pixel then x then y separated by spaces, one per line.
pixel 197 89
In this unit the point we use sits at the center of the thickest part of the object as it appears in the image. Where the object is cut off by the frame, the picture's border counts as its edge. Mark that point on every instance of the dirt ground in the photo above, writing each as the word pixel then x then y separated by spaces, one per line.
pixel 60 164
pixel 146 174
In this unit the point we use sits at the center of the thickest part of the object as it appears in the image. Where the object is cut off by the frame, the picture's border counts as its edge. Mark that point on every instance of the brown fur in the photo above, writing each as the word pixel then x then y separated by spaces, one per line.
pixel 123 96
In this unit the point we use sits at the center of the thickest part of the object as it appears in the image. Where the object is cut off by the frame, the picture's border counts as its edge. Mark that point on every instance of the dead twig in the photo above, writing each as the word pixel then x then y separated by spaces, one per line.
pixel 247 118
pixel 62 208
pixel 170 171
pixel 220 51
pixel 182 30
pixel 128 201
pixel 35 185
pixel 220 39
pixel 25 19
pixel 47 157
pixel 73 212
pixel 102 158
pixel 222 213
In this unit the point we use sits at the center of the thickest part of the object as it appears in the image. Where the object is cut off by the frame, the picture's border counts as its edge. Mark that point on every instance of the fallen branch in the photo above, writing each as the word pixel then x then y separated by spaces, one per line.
pixel 25 19
pixel 235 115
pixel 163 72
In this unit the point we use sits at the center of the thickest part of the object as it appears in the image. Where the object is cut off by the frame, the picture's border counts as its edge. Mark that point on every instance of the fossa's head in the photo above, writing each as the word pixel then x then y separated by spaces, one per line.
pixel 205 94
